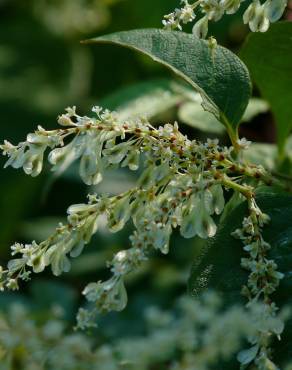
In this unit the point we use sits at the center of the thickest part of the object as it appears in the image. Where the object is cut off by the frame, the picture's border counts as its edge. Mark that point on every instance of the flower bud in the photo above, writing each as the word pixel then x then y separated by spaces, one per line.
pixel 250 12
pixel 61 158
pixel 90 168
pixel 12 284
pixel 33 163
pixel 218 200
pixel 16 159
pixel 258 19
pixel 274 9
pixel 230 6
pixel 108 295
pixel 188 227
pixel 77 249
pixel 132 160
pixel 117 153
pixel 56 257
pixel 161 238
pixel 146 179
pixel 200 28
pixel 38 263
pixel 119 214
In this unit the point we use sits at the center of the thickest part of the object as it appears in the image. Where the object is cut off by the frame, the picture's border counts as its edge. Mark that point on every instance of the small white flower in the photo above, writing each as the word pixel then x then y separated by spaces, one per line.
pixel 8 148
pixel 71 111
pixel 16 248
pixel 121 256
pixel 187 14
pixel 97 110
pixel 64 120
pixel 213 9
pixel 243 143
pixel 119 214
pixel 12 284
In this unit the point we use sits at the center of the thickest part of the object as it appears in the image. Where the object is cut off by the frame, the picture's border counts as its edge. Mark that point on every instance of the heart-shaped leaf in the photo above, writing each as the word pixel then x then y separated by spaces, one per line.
pixel 216 73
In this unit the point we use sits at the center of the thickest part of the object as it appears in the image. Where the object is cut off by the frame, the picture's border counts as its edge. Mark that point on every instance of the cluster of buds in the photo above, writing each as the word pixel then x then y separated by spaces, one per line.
pixel 262 282
pixel 257 15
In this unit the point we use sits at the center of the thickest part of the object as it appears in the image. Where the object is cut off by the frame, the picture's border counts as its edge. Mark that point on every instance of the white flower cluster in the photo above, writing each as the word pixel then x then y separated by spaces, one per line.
pixel 195 336
pixel 258 15
pixel 181 185
pixel 262 282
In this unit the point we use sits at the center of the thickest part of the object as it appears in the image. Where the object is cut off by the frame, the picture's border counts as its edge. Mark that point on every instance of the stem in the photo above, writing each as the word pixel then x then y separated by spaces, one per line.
pixel 245 190
pixel 233 134
pixel 258 173
pixel 282 176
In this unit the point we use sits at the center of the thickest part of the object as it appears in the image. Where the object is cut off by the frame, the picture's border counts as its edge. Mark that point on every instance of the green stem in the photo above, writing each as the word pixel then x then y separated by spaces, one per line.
pixel 233 134
pixel 247 191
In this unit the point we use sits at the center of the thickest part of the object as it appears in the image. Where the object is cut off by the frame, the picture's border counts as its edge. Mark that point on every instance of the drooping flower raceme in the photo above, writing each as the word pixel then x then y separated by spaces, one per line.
pixel 181 185
pixel 257 15
pixel 262 283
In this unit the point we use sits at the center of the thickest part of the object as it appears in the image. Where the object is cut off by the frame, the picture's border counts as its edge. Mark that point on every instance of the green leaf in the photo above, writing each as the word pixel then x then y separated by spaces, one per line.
pixel 147 99
pixel 219 265
pixel 217 74
pixel 255 106
pixel 192 114
pixel 268 56
pixel 264 154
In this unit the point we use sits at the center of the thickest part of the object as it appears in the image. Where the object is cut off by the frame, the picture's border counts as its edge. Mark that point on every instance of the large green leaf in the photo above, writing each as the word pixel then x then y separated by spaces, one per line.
pixel 216 73
pixel 269 58
pixel 219 266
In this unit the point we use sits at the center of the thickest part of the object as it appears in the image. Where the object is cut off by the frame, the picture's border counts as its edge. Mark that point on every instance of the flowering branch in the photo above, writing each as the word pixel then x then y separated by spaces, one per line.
pixel 181 185
pixel 257 15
